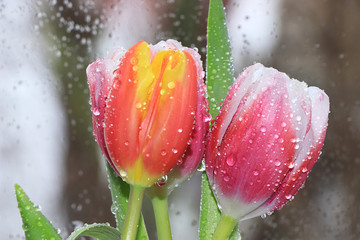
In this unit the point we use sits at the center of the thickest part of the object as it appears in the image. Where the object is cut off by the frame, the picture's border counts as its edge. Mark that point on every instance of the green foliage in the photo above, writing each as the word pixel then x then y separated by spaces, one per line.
pixel 35 224
pixel 219 77
pixel 120 196
pixel 96 230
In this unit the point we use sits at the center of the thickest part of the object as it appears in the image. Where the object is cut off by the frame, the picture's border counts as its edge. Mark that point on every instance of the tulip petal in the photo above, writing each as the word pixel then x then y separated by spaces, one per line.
pixel 100 78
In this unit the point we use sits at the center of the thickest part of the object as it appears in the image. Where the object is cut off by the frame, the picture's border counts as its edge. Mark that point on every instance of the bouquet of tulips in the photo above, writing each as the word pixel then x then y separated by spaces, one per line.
pixel 151 120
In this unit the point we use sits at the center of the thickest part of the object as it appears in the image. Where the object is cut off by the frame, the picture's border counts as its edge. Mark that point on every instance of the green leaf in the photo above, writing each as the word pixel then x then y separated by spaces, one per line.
pixel 100 231
pixel 120 196
pixel 35 224
pixel 209 214
pixel 219 77
pixel 219 64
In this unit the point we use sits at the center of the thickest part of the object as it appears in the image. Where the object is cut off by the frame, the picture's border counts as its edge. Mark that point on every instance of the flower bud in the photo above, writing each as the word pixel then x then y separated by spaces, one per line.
pixel 266 139
pixel 144 106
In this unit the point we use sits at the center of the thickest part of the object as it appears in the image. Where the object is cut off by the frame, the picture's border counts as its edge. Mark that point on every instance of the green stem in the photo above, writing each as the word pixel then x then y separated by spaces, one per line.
pixel 224 227
pixel 133 213
pixel 161 212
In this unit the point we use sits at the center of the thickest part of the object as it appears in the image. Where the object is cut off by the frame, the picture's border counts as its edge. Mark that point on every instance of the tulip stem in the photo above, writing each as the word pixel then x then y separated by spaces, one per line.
pixel 161 212
pixel 133 211
pixel 225 227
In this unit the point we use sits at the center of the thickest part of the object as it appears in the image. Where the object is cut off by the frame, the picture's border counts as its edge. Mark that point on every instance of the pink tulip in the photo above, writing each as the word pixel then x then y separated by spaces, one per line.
pixel 266 139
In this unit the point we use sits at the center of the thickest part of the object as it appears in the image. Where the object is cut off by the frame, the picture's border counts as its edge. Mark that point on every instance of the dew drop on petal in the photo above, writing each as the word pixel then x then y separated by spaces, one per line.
pixel 255 173
pixel 163 152
pixel 116 84
pixel 180 130
pixel 96 112
pixel 171 85
pixel 230 161
pixel 263 129
pixel 277 163
pixel 304 169
pixel 288 197
pixel 226 178
pixel 138 105
pixel 291 165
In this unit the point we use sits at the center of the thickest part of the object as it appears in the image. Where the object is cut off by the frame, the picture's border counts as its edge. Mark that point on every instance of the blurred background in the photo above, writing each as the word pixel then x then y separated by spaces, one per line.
pixel 46 143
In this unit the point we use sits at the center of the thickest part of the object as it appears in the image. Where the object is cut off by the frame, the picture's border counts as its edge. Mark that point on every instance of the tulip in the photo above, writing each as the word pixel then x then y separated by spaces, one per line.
pixel 266 139
pixel 144 105
pixel 149 111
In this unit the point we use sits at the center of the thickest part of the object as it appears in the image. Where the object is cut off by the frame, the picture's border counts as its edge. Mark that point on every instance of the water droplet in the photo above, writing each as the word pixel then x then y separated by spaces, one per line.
pixel 171 85
pixel 226 178
pixel 96 112
pixel 283 124
pixel 116 84
pixel 179 161
pixel 135 68
pixel 288 196
pixel 138 105
pixel 255 173
pixel 162 181
pixel 133 61
pixel 304 169
pixel 230 161
pixel 291 165
pixel 126 143
pixel 174 150
pixel 163 152
pixel 180 130
pixel 298 118
pixel 297 146
pixel 281 140
pixel 123 173
pixel 277 163
pixel 263 129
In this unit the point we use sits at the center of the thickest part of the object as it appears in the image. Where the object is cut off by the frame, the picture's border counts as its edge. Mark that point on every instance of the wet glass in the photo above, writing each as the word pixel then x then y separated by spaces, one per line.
pixel 47 146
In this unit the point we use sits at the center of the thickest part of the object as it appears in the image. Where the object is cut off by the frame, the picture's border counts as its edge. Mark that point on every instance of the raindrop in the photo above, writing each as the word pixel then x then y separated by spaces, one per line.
pixel 298 118
pixel 283 124
pixel 116 84
pixel 138 105
pixel 255 173
pixel 180 130
pixel 291 165
pixel 126 143
pixel 277 163
pixel 304 169
pixel 174 150
pixel 96 112
pixel 163 152
pixel 263 129
pixel 226 178
pixel 162 181
pixel 297 146
pixel 230 161
pixel 288 197
pixel 171 85
pixel 123 173
pixel 179 161
pixel 135 68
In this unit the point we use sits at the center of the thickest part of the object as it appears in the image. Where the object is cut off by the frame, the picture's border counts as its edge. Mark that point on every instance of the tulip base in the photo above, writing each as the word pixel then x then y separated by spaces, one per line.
pixel 161 212
pixel 225 227
pixel 133 211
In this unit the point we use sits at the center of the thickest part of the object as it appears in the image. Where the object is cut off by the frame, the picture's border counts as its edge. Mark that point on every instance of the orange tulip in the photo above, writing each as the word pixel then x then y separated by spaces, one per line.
pixel 146 108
